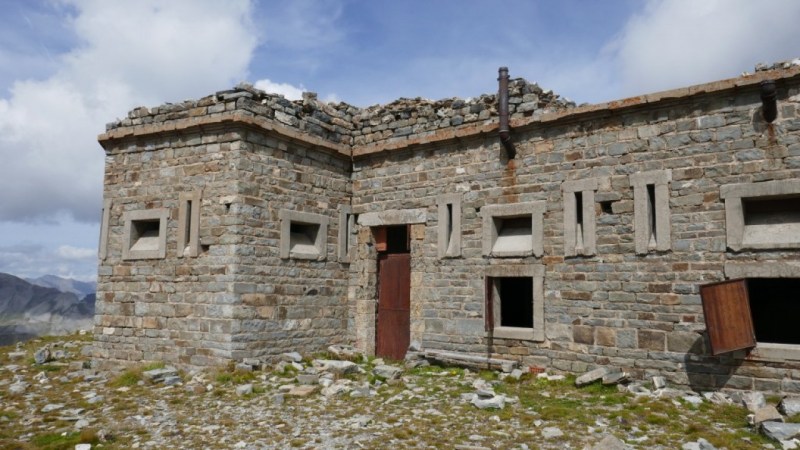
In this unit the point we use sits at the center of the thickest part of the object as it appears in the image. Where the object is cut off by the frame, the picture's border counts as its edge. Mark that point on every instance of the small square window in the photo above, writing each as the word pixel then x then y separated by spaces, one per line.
pixel 145 234
pixel 303 235
pixel 513 230
pixel 762 215
pixel 515 302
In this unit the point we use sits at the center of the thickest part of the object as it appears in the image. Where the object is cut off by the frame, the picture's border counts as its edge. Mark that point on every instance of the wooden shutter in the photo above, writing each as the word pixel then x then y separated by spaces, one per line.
pixel 380 238
pixel 489 307
pixel 726 307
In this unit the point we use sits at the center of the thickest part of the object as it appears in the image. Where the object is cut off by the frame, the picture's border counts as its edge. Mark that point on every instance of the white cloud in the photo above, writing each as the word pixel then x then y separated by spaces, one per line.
pixel 76 253
pixel 130 54
pixel 33 261
pixel 289 91
pixel 674 43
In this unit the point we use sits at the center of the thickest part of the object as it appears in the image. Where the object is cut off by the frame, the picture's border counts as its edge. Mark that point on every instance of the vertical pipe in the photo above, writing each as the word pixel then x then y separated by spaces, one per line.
pixel 769 100
pixel 502 109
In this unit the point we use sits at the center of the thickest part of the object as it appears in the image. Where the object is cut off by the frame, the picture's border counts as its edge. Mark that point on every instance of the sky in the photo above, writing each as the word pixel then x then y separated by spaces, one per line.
pixel 68 67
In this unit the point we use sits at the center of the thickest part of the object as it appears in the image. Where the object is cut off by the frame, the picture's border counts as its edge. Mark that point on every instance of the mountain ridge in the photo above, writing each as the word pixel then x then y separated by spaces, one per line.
pixel 30 309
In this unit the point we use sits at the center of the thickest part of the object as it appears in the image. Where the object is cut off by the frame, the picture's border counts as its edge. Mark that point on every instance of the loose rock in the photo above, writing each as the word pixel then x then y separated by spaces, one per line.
pixel 753 400
pixel 495 402
pixel 765 414
pixel 780 431
pixel 336 366
pixel 609 442
pixel 591 376
pixel 42 355
pixel 302 391
pixel 552 432
pixel 244 389
pixel 387 372
pixel 157 375
pixel 790 406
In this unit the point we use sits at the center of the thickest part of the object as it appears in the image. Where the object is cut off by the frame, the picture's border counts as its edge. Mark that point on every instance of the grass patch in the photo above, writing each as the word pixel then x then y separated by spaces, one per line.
pixel 50 368
pixel 59 441
pixel 234 377
pixel 153 366
pixel 130 377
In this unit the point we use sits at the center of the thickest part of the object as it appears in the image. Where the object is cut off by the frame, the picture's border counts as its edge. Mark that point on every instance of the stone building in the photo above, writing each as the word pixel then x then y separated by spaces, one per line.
pixel 243 225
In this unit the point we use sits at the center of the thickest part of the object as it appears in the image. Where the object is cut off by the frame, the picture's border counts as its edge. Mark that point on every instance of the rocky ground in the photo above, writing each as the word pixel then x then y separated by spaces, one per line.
pixel 50 398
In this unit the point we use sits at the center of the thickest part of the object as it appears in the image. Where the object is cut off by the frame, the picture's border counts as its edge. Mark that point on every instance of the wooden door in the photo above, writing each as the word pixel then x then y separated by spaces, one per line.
pixel 726 308
pixel 393 333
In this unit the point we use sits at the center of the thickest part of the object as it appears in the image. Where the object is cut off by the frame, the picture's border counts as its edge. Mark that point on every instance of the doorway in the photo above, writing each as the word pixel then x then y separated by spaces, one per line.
pixel 393 318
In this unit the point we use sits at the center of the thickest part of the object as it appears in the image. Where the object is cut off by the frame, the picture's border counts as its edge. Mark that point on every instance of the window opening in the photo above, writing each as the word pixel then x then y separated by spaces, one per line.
pixel 187 229
pixel 579 222
pixel 775 309
pixel 189 224
pixel 144 235
pixel 651 217
pixel 513 234
pixel 764 215
pixel 303 237
pixel 346 230
pixel 515 301
pixel 449 228
pixel 104 224
pixel 349 229
pixel 651 211
pixel 397 239
pixel 513 230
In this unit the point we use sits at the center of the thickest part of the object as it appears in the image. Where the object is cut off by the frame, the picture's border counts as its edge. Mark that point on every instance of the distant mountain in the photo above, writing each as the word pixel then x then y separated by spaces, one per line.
pixel 79 288
pixel 28 310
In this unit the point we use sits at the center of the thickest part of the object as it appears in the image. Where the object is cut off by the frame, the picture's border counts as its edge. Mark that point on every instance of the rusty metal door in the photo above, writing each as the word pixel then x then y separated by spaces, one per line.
pixel 393 333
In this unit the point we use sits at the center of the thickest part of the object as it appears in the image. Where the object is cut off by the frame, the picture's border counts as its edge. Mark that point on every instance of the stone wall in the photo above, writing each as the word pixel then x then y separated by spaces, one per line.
pixel 644 176
pixel 288 304
pixel 174 309
pixel 640 312
pixel 237 298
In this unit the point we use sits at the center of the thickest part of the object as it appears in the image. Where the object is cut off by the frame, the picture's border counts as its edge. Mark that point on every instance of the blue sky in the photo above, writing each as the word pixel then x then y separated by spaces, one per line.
pixel 67 67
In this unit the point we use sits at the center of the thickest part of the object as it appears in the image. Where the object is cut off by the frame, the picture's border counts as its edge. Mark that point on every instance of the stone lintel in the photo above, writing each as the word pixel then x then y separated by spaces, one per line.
pixel 393 217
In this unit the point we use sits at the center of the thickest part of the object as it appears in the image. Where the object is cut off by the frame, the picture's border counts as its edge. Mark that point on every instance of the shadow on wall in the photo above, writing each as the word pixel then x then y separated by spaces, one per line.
pixel 706 372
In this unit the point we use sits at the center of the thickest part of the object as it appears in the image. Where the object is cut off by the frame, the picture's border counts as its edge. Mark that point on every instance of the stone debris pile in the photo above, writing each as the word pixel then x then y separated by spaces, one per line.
pixel 351 125
pixel 343 399
pixel 774 421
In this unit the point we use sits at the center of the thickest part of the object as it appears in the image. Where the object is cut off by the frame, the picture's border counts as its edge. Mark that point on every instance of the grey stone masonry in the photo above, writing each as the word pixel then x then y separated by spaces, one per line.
pixel 255 217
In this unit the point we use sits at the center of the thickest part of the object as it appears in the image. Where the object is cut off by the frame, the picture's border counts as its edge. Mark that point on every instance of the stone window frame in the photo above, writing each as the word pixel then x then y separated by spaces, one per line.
pixel 346 234
pixel 645 208
pixel 535 210
pixel 287 217
pixel 105 219
pixel 536 273
pixel 766 351
pixel 145 215
pixel 570 189
pixel 735 227
pixel 449 225
pixel 189 224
